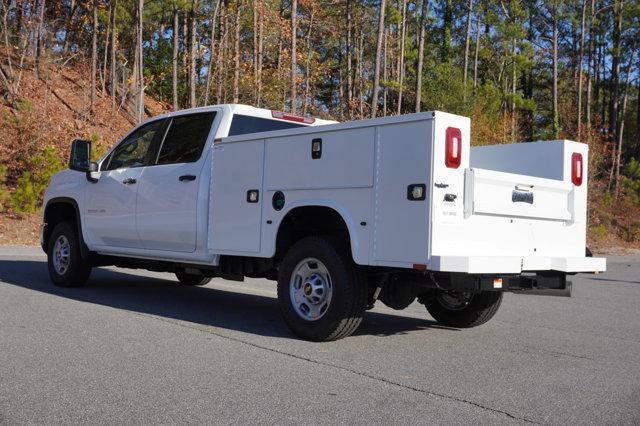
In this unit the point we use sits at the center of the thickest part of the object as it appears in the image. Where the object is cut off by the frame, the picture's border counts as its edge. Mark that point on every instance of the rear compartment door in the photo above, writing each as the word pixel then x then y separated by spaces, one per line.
pixel 489 192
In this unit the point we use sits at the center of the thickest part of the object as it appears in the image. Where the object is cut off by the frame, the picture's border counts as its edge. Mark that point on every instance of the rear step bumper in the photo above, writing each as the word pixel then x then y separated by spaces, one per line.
pixel 515 264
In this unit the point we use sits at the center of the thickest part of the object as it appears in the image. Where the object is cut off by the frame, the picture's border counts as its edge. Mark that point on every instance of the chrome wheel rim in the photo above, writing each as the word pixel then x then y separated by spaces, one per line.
pixel 61 255
pixel 454 301
pixel 310 289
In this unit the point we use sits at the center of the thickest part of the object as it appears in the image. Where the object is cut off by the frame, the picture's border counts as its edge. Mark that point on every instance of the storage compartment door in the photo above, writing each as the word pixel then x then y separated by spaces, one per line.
pixel 235 219
pixel 505 194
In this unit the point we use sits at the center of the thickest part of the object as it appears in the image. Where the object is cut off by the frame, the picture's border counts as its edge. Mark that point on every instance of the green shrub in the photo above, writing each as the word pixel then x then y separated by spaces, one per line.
pixel 27 197
pixel 631 179
pixel 598 232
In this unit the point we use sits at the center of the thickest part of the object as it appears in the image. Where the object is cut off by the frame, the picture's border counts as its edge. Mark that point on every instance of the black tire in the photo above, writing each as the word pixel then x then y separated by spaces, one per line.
pixel 480 309
pixel 190 279
pixel 344 312
pixel 78 270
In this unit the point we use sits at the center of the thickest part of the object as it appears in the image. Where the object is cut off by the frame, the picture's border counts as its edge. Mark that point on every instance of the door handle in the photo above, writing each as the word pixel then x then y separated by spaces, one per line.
pixel 129 181
pixel 187 178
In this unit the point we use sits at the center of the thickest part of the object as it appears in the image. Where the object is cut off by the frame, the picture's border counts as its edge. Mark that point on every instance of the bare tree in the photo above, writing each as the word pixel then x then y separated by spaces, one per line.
pixel 376 73
pixel 212 44
pixel 192 54
pixel 554 41
pixel 580 62
pixel 623 112
pixel 401 59
pixel 466 46
pixel 38 49
pixel 236 55
pixel 294 64
pixel 174 57
pixel 94 54
pixel 423 12
pixel 113 54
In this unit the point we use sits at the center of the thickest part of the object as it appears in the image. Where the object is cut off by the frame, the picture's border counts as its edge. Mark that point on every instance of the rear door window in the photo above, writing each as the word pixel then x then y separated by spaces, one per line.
pixel 185 138
pixel 244 124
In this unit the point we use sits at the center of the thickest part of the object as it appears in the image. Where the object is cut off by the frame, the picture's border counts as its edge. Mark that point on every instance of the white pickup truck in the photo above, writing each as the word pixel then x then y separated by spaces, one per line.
pixel 341 215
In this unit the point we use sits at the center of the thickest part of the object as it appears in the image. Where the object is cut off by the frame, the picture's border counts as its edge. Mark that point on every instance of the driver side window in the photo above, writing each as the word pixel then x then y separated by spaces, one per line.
pixel 133 151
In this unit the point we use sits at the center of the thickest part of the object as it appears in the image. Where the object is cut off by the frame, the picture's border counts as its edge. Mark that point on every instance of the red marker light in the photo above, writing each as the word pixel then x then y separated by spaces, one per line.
pixel 453 148
pixel 576 169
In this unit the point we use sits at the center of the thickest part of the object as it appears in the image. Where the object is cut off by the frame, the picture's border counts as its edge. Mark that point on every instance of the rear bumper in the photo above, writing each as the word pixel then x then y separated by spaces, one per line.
pixel 515 264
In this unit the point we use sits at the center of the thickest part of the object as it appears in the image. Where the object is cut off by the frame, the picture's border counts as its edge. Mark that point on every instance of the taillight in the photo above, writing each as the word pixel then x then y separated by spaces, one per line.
pixel 576 169
pixel 291 117
pixel 453 148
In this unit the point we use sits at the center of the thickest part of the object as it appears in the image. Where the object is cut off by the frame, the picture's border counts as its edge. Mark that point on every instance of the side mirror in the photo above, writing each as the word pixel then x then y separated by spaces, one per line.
pixel 80 160
pixel 80 155
pixel 93 174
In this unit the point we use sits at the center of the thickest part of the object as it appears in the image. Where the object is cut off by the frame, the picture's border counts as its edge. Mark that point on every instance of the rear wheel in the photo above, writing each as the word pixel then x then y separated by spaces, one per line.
pixel 66 266
pixel 191 279
pixel 463 310
pixel 321 292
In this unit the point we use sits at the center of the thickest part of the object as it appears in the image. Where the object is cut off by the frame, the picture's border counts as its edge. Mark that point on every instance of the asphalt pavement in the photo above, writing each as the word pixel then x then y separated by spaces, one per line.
pixel 137 347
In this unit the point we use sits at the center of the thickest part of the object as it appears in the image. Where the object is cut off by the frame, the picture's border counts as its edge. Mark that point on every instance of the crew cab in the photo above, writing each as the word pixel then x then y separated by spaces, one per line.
pixel 339 214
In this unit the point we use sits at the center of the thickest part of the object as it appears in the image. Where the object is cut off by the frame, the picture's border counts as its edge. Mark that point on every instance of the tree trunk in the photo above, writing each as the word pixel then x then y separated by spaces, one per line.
pixel 447 22
pixel 113 54
pixel 94 55
pixel 260 58
pixel 376 73
pixel 623 111
pixel 556 119
pixel 308 63
pixel 466 46
pixel 174 58
pixel 513 91
pixel 255 50
pixel 192 54
pixel 294 65
pixel 423 12
pixel 105 58
pixel 580 60
pixel 590 66
pixel 140 61
pixel 236 55
pixel 349 61
pixel 385 71
pixel 221 51
pixel 401 59
pixel 38 50
pixel 477 51
pixel 615 66
pixel 212 44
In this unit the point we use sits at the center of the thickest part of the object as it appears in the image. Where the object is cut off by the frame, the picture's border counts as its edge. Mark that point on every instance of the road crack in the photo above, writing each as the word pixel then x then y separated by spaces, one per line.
pixel 346 369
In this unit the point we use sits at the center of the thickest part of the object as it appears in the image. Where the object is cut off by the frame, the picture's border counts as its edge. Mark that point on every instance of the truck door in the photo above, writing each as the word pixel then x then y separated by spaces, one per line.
pixel 168 191
pixel 109 219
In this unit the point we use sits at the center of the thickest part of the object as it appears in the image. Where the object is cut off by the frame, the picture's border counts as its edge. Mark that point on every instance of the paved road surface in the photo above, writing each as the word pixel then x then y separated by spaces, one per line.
pixel 137 346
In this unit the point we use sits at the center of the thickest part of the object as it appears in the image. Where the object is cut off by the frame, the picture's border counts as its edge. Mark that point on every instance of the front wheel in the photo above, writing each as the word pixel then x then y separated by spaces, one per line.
pixel 321 292
pixel 66 266
pixel 462 310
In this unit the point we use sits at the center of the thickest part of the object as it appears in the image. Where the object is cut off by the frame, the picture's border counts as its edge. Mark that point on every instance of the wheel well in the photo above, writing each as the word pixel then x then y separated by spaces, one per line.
pixel 307 221
pixel 55 213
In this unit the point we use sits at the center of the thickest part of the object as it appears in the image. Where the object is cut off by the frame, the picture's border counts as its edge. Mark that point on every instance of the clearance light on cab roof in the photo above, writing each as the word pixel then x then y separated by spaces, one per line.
pixel 453 148
pixel 576 169
pixel 290 117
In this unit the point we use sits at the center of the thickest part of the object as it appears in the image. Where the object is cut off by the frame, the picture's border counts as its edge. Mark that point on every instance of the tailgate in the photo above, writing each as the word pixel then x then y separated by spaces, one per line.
pixel 488 192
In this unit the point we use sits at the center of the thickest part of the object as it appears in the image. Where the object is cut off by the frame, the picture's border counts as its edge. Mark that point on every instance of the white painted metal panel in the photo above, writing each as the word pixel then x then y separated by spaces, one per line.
pixel 346 161
pixel 514 264
pixel 542 159
pixel 403 158
pixel 237 168
pixel 495 193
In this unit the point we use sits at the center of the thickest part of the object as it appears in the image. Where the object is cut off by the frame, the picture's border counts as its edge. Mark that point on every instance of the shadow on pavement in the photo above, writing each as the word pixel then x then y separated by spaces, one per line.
pixel 207 306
